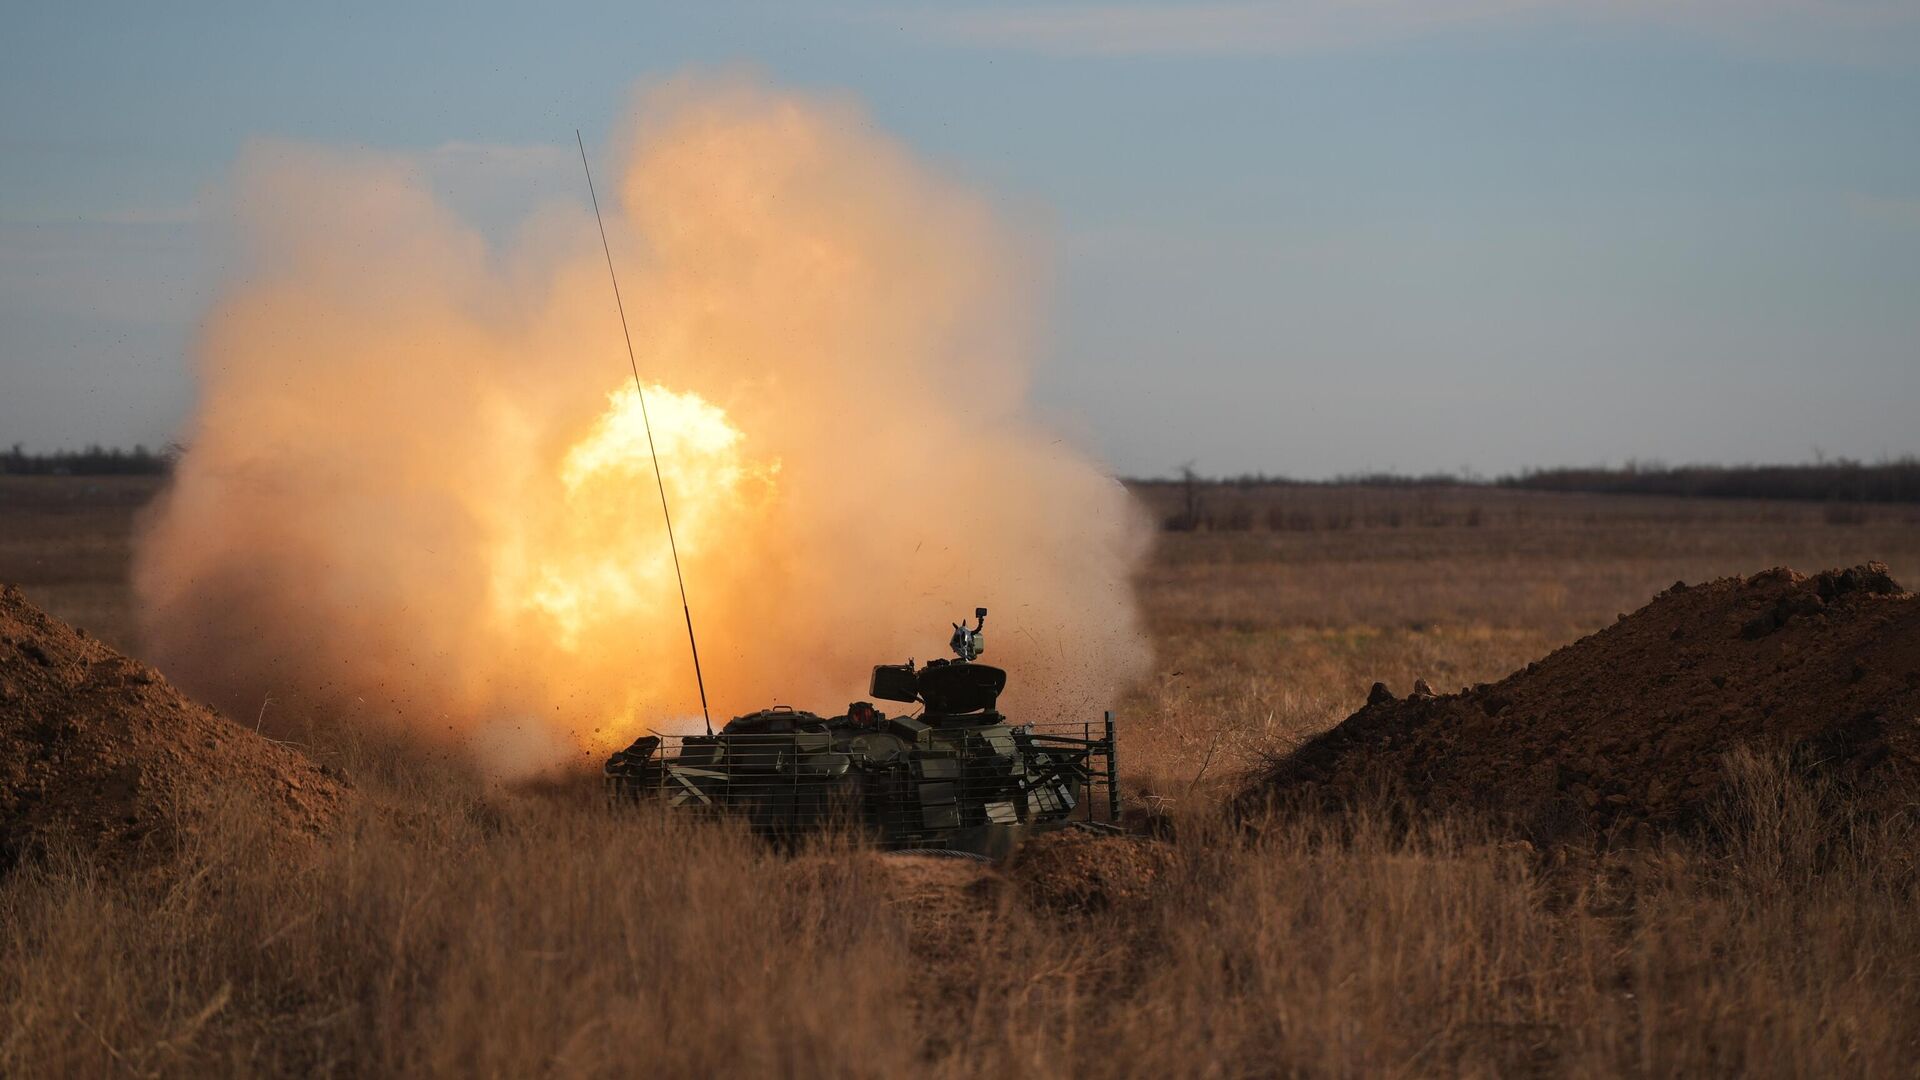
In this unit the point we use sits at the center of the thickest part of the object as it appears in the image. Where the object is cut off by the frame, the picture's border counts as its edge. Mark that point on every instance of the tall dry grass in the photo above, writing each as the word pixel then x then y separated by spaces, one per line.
pixel 456 937
pixel 463 935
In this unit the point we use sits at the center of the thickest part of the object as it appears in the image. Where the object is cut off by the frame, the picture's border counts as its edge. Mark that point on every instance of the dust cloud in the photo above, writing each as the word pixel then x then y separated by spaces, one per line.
pixel 418 485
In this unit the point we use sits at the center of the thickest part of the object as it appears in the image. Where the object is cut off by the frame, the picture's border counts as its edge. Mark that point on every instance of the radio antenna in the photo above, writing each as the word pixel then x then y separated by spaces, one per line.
pixel 658 481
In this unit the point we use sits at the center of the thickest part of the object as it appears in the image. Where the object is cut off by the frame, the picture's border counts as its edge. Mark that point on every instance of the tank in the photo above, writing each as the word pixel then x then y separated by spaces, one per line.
pixel 952 773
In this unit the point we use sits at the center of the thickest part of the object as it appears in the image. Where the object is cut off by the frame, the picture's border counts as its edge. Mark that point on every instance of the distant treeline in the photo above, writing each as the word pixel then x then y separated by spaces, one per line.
pixel 93 461
pixel 1838 480
pixel 1828 481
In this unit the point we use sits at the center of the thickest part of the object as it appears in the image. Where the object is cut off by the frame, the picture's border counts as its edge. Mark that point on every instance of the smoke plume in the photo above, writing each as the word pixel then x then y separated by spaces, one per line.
pixel 418 482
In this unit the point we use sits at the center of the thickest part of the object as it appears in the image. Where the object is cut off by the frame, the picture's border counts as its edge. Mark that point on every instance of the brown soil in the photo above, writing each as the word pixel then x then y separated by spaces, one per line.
pixel 1621 735
pixel 1071 870
pixel 98 751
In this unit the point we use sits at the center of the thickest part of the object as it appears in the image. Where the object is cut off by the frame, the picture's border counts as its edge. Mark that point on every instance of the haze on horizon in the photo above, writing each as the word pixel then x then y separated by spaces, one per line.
pixel 1306 238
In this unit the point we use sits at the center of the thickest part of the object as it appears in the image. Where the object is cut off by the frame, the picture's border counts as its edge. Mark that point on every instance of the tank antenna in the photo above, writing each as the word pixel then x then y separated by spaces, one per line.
pixel 659 482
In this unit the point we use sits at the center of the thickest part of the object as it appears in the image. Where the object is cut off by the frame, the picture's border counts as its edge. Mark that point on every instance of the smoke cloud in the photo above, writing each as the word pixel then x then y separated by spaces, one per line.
pixel 418 483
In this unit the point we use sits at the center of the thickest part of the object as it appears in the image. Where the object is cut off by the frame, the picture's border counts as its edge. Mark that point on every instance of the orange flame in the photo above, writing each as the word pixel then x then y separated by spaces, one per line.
pixel 601 563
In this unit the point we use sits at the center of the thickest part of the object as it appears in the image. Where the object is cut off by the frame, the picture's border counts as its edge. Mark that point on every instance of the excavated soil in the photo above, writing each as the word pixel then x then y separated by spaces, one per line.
pixel 99 752
pixel 1073 871
pixel 1621 736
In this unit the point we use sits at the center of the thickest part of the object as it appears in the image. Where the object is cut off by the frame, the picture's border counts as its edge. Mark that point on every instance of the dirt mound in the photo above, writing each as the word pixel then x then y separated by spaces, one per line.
pixel 1073 870
pixel 1621 735
pixel 98 750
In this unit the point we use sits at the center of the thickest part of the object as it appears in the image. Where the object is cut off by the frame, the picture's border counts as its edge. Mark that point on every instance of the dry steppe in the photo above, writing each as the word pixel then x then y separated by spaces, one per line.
pixel 432 925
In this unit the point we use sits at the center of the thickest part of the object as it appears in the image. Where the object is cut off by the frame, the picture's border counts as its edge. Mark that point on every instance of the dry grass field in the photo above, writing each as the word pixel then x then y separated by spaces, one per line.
pixel 69 540
pixel 1271 632
pixel 456 930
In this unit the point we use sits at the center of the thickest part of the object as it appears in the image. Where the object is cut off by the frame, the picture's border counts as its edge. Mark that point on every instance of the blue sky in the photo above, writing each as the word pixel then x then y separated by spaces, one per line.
pixel 1307 237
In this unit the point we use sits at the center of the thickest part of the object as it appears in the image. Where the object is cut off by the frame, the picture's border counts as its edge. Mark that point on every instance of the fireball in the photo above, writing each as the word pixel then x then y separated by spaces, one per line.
pixel 601 563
